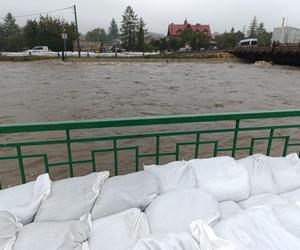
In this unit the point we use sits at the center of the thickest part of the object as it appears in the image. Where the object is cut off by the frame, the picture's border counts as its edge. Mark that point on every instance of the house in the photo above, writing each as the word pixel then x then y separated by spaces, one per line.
pixel 86 45
pixel 175 30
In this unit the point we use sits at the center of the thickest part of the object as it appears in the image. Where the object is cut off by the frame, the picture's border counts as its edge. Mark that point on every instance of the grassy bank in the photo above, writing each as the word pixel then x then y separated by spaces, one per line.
pixel 25 58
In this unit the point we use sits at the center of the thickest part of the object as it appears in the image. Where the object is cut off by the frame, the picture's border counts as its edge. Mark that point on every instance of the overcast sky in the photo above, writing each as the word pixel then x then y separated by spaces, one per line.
pixel 220 14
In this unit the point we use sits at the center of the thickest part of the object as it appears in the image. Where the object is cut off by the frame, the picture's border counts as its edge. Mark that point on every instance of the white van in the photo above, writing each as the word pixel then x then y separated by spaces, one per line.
pixel 251 42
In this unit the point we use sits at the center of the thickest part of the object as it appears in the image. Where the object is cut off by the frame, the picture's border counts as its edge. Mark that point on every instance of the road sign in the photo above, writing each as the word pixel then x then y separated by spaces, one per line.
pixel 64 36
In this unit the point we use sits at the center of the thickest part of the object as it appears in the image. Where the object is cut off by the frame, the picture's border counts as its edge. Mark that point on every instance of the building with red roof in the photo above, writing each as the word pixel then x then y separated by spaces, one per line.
pixel 175 30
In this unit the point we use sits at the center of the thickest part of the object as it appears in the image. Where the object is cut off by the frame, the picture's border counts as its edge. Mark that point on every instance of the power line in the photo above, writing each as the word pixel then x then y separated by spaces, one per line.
pixel 43 12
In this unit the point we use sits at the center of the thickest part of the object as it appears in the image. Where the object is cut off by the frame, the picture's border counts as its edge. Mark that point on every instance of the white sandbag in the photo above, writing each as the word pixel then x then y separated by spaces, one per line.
pixel 120 193
pixel 262 200
pixel 71 198
pixel 229 208
pixel 175 175
pixel 292 196
pixel 119 231
pixel 174 211
pixel 221 177
pixel 23 200
pixel 168 241
pixel 256 228
pixel 260 174
pixel 286 172
pixel 65 235
pixel 9 227
pixel 207 238
pixel 289 217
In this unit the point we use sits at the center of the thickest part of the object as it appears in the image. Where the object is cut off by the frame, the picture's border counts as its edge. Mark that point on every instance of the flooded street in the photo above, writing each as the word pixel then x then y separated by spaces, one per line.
pixel 44 91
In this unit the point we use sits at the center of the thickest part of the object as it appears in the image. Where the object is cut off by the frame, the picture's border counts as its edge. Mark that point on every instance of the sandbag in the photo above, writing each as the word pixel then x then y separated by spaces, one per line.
pixel 263 200
pixel 67 235
pixel 119 231
pixel 120 193
pixel 207 238
pixel 286 172
pixel 289 217
pixel 174 211
pixel 173 176
pixel 221 177
pixel 292 196
pixel 260 174
pixel 168 241
pixel 23 200
pixel 9 227
pixel 256 228
pixel 229 208
pixel 71 198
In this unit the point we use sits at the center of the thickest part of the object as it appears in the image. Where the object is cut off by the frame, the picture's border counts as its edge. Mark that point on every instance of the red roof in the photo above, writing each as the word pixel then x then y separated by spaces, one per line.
pixel 177 29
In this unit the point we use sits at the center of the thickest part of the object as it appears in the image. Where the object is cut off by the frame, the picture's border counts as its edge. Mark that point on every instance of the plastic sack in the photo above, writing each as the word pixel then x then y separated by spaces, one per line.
pixel 120 193
pixel 119 231
pixel 24 200
pixel 71 198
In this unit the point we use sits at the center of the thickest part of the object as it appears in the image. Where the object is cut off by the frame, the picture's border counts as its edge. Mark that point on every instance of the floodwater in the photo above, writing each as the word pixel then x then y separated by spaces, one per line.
pixel 52 90
pixel 44 91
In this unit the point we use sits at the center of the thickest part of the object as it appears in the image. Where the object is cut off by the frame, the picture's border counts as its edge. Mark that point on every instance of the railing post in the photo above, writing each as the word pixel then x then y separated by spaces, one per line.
pixel 69 147
pixel 21 164
pixel 235 137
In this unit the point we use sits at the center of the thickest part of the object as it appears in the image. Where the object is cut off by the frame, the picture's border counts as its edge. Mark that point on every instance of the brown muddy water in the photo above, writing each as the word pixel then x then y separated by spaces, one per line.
pixel 52 90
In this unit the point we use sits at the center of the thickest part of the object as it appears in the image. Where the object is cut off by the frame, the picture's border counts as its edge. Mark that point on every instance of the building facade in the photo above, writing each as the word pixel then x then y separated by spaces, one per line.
pixel 175 30
pixel 86 45
pixel 286 35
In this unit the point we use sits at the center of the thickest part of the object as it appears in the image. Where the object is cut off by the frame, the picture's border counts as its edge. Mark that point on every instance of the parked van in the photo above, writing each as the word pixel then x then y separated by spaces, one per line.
pixel 251 42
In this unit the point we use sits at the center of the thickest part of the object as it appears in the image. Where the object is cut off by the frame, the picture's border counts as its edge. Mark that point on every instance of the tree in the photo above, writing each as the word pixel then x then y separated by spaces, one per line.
pixel 142 31
pixel 113 32
pixel 9 26
pixel 252 32
pixel 129 29
pixel 97 34
pixel 196 40
pixel 229 40
pixel 31 33
pixel 12 36
pixel 263 37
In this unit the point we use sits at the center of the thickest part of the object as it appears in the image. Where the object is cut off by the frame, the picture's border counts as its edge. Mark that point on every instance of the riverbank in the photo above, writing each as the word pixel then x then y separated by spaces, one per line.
pixel 177 57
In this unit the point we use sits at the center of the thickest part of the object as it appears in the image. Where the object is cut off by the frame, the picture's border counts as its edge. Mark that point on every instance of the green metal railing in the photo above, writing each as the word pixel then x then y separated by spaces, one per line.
pixel 232 128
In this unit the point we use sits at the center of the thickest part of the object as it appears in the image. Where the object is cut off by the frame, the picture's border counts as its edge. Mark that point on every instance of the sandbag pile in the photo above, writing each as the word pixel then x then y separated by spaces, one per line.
pixel 202 204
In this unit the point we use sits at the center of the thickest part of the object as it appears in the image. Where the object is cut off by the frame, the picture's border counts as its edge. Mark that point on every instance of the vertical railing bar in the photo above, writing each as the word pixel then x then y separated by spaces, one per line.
pixel 46 164
pixel 115 157
pixel 69 147
pixel 216 149
pixel 177 152
pixel 137 159
pixel 270 142
pixel 157 150
pixel 251 147
pixel 235 137
pixel 21 164
pixel 286 145
pixel 93 162
pixel 197 146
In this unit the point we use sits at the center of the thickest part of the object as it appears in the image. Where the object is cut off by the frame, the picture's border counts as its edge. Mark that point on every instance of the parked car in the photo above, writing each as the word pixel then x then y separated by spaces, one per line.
pixel 38 49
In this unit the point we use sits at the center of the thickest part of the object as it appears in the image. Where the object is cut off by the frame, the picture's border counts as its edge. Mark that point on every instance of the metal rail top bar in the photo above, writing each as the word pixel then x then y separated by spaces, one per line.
pixel 143 121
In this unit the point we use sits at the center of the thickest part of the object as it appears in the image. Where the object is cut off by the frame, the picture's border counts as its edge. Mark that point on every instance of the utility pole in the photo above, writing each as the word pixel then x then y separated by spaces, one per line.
pixel 77 34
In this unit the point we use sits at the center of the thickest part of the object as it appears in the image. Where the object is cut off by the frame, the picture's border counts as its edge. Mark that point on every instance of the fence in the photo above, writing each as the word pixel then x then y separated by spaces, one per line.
pixel 198 131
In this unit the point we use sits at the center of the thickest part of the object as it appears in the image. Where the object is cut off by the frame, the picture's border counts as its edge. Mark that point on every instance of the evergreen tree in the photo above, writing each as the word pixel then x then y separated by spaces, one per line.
pixel 9 26
pixel 12 39
pixel 97 34
pixel 113 32
pixel 253 28
pixel 129 29
pixel 142 31
pixel 31 32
